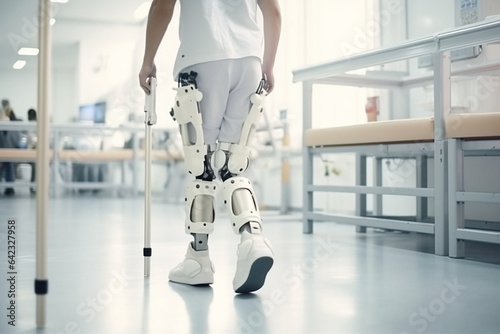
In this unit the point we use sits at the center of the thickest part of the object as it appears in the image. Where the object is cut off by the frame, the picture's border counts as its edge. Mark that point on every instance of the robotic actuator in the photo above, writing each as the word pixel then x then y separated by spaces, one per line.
pixel 229 159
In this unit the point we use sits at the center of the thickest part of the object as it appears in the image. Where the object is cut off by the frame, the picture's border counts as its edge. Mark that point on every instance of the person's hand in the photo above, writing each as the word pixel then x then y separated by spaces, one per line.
pixel 147 71
pixel 269 85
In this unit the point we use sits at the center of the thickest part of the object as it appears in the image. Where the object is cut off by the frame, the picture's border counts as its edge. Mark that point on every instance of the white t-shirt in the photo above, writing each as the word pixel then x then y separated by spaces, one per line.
pixel 212 30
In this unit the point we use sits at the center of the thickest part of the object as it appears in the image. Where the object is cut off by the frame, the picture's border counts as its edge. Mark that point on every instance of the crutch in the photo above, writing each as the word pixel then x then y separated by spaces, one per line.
pixel 149 121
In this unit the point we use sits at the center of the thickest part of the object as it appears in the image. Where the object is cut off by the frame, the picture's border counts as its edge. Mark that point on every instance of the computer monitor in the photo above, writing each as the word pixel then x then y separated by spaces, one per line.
pixel 94 113
pixel 100 112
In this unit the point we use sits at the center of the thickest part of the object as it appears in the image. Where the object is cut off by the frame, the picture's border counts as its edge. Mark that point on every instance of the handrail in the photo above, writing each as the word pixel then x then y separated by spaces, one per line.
pixel 378 56
pixel 464 36
pixel 381 79
pixel 469 35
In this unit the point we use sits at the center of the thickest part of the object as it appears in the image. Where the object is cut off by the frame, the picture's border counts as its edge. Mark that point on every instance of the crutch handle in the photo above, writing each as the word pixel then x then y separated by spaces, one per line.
pixel 149 108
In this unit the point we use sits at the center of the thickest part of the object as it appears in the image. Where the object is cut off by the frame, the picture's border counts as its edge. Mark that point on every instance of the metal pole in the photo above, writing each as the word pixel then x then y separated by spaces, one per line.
pixel 150 120
pixel 307 159
pixel 285 170
pixel 442 107
pixel 147 205
pixel 42 159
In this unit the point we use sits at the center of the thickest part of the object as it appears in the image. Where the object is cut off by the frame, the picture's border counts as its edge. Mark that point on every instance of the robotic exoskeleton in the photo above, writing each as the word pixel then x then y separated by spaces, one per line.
pixel 229 159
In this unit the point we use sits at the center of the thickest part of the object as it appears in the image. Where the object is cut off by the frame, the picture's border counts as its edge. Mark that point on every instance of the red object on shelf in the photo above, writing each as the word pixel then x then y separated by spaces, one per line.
pixel 372 108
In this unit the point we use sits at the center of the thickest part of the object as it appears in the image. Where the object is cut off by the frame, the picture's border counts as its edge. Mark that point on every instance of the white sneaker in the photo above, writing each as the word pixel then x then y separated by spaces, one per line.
pixel 255 259
pixel 196 269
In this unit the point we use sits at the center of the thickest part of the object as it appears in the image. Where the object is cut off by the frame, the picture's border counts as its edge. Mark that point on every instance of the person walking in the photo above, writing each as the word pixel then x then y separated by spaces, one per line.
pixel 224 53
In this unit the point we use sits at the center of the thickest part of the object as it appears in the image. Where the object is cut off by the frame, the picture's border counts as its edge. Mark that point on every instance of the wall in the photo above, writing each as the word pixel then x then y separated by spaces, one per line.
pixel 65 83
pixel 20 88
pixel 315 32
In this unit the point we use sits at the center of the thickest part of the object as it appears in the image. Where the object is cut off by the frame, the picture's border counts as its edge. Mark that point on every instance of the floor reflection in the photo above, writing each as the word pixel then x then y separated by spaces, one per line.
pixel 251 316
pixel 197 300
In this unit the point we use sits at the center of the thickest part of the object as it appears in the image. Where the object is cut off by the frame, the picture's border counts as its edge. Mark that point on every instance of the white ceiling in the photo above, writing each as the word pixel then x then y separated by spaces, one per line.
pixel 19 17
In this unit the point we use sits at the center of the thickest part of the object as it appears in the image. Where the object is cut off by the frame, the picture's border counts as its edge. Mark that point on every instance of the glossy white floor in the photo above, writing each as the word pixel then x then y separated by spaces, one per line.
pixel 333 281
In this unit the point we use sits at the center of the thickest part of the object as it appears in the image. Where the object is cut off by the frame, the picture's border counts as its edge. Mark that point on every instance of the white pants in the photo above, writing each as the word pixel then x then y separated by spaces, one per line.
pixel 226 86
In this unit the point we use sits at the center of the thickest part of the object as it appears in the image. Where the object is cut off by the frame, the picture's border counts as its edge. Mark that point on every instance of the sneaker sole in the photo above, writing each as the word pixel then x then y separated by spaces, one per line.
pixel 257 275
pixel 193 281
pixel 192 284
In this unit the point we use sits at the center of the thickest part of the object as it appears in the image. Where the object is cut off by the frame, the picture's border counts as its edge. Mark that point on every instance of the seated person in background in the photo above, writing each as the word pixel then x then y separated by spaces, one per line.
pixel 32 115
pixel 8 139
pixel 32 145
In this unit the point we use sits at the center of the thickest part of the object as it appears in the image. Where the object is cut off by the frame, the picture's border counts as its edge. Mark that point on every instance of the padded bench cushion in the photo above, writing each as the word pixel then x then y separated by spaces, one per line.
pixel 473 125
pixel 393 131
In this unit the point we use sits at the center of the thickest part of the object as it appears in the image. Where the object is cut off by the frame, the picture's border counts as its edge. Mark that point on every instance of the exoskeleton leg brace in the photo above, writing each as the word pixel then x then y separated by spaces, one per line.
pixel 200 192
pixel 232 160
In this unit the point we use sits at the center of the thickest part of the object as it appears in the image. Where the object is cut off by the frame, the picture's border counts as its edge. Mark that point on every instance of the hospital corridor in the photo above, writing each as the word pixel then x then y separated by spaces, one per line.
pixel 250 167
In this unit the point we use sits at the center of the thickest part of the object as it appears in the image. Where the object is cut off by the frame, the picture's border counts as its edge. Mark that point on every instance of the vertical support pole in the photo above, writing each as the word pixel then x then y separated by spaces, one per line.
pixel 442 105
pixel 307 159
pixel 421 170
pixel 135 162
pixel 361 198
pixel 456 183
pixel 55 165
pixel 378 182
pixel 285 171
pixel 123 170
pixel 43 159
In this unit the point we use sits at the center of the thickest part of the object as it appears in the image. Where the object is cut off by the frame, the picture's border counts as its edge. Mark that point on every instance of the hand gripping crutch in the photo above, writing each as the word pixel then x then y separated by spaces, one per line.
pixel 149 121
